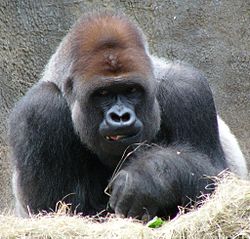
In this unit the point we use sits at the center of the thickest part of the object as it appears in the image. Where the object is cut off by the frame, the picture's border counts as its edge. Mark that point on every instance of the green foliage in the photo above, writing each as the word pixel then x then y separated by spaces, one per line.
pixel 155 222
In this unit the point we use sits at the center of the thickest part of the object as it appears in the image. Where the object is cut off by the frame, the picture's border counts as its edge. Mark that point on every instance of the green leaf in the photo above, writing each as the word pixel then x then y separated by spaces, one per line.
pixel 155 222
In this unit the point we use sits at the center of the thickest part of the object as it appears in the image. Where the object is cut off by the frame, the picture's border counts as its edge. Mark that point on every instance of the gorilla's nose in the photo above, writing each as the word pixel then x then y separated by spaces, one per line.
pixel 120 117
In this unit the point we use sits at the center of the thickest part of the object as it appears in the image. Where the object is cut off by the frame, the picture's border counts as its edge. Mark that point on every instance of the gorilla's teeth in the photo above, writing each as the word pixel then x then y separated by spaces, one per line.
pixel 120 136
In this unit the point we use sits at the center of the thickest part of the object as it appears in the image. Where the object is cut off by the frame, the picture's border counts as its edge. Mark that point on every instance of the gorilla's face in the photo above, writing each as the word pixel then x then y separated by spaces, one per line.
pixel 120 125
pixel 115 114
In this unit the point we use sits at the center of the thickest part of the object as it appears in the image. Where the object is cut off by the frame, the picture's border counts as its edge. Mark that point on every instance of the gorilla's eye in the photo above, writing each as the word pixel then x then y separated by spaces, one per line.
pixel 103 92
pixel 133 90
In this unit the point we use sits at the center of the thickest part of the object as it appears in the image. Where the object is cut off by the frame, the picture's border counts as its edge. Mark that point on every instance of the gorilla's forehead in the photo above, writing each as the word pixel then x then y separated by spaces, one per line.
pixel 113 62
pixel 122 79
pixel 97 82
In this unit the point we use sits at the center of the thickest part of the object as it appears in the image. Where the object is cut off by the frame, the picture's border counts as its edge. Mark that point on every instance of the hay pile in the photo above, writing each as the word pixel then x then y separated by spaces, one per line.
pixel 225 215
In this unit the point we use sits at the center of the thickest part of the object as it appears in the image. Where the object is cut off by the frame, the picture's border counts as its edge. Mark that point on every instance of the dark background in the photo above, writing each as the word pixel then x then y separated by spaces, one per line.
pixel 214 36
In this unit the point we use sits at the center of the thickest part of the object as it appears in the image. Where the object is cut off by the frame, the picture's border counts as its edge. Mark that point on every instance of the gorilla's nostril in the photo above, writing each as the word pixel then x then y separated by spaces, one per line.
pixel 125 117
pixel 115 117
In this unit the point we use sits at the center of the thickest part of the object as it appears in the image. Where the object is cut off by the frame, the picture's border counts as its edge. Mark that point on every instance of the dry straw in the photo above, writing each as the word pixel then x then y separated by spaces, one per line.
pixel 226 214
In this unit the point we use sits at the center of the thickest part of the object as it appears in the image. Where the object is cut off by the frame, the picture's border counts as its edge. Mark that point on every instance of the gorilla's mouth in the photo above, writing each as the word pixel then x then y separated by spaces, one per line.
pixel 117 137
pixel 122 135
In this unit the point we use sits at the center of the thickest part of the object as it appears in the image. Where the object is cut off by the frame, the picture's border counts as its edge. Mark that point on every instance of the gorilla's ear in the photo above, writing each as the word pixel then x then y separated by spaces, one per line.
pixel 68 86
pixel 68 92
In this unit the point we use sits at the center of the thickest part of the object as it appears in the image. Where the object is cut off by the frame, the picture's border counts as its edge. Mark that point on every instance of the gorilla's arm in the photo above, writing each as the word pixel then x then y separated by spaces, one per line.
pixel 50 162
pixel 157 180
pixel 188 113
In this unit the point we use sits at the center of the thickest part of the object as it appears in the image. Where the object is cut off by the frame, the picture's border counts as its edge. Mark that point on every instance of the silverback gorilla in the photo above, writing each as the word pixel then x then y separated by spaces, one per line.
pixel 103 96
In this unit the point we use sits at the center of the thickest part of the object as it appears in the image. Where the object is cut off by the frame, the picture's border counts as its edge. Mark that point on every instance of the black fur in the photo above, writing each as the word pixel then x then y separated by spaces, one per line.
pixel 51 161
pixel 53 164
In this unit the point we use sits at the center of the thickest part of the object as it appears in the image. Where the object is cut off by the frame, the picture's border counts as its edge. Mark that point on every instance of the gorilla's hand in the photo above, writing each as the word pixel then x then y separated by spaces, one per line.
pixel 135 194
pixel 155 182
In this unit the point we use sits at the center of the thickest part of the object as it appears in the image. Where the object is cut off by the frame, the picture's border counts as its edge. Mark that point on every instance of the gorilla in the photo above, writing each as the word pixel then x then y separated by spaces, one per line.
pixel 108 114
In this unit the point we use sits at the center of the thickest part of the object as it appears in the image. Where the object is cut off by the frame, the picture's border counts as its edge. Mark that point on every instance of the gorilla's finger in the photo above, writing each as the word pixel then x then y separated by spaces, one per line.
pixel 141 212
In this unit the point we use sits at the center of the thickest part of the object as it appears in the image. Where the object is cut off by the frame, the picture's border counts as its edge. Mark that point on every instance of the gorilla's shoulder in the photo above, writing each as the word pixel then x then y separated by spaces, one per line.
pixel 176 71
